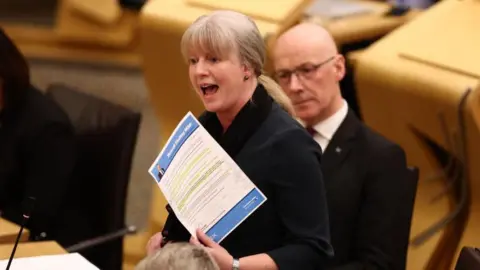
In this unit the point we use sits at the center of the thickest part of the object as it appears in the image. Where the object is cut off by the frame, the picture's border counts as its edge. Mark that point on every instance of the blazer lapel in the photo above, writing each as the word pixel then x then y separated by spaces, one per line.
pixel 245 124
pixel 340 145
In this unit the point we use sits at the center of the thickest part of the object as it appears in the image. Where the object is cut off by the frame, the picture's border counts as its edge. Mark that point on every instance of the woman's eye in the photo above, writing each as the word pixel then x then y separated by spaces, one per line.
pixel 192 61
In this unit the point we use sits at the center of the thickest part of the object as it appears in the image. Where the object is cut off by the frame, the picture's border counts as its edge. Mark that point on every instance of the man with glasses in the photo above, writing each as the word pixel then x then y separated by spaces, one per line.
pixel 364 172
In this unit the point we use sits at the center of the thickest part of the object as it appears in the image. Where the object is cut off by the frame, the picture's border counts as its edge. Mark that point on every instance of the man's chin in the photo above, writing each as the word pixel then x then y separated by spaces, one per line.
pixel 306 116
pixel 303 110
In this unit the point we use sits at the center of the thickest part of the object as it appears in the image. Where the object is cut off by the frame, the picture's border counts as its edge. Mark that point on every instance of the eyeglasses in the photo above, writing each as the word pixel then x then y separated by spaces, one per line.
pixel 304 72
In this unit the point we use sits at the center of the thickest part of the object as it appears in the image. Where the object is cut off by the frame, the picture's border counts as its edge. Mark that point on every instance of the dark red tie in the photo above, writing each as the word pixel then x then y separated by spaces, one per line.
pixel 311 131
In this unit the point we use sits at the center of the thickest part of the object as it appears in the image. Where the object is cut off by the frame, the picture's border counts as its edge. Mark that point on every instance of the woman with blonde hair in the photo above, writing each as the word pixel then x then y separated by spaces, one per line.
pixel 248 115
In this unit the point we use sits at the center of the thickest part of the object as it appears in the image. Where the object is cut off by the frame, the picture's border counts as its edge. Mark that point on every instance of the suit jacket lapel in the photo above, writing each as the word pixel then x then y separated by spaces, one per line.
pixel 340 145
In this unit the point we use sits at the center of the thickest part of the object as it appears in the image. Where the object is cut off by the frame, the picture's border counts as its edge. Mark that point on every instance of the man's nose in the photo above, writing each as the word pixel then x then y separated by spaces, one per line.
pixel 295 84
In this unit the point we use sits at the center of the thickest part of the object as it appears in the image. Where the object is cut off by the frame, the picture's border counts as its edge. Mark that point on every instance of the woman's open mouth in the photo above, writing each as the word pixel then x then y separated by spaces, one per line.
pixel 209 89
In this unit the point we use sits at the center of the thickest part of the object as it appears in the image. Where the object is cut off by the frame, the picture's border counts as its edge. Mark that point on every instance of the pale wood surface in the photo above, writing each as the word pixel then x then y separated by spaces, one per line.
pixel 274 12
pixel 400 94
pixel 77 39
pixel 43 43
pixel 105 12
pixel 365 26
pixel 9 232
pixel 31 249
pixel 134 248
pixel 72 26
pixel 353 56
pixel 458 43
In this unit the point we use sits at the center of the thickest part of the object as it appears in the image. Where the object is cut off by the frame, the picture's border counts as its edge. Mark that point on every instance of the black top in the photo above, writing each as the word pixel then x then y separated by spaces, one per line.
pixel 283 161
pixel 365 179
pixel 36 159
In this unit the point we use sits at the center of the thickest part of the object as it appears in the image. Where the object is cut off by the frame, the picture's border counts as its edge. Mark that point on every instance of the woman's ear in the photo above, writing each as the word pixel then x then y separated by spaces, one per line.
pixel 247 71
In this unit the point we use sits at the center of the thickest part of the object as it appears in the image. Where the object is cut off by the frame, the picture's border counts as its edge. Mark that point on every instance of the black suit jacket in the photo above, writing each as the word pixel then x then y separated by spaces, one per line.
pixel 282 159
pixel 37 156
pixel 364 177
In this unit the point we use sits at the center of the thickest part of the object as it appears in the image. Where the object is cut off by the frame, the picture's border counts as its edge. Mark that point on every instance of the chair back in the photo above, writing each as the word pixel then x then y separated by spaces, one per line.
pixel 469 259
pixel 106 136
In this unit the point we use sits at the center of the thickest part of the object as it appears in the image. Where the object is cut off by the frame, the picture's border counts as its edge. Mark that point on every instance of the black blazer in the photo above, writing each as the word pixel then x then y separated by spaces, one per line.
pixel 364 177
pixel 37 156
pixel 282 159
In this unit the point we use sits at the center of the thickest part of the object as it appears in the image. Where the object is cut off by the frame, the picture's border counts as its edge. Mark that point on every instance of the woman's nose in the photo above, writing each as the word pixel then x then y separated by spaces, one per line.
pixel 201 68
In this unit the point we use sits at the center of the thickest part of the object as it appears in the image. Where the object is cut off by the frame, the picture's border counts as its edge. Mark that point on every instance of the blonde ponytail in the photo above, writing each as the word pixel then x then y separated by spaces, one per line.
pixel 276 92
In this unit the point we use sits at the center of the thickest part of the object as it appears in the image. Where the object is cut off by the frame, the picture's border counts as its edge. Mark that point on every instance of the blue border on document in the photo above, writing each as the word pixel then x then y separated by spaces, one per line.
pixel 236 215
pixel 182 133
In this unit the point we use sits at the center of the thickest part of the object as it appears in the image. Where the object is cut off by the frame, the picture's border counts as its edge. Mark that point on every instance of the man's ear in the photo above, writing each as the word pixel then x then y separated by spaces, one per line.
pixel 340 67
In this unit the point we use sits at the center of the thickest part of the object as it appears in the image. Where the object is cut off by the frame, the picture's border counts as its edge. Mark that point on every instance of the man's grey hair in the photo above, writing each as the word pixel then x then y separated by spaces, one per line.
pixel 179 256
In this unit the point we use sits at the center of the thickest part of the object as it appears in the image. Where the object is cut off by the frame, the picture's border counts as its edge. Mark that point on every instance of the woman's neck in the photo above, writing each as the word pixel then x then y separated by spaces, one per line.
pixel 226 117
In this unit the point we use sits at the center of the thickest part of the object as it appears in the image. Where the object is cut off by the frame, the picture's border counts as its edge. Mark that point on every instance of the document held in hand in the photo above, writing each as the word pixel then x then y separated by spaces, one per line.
pixel 203 185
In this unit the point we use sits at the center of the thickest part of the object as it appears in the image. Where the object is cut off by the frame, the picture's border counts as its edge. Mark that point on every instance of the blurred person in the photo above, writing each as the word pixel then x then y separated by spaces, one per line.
pixel 37 147
pixel 364 172
pixel 248 115
pixel 179 256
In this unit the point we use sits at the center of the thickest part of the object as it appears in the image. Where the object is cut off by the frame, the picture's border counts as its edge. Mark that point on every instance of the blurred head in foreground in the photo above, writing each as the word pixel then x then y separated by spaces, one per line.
pixel 179 256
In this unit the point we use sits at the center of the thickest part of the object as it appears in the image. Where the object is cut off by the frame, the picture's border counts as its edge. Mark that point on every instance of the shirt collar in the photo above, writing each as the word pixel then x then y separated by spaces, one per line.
pixel 329 126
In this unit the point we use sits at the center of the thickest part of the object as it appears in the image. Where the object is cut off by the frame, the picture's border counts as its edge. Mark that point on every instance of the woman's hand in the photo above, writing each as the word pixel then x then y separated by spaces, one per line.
pixel 155 243
pixel 221 255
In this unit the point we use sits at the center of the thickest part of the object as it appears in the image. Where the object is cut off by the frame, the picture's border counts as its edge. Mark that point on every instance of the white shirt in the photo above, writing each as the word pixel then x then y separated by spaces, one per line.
pixel 327 128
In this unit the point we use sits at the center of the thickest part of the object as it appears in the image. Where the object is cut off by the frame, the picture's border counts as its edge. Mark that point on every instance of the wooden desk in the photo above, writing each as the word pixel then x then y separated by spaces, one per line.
pixel 32 249
pixel 73 27
pixel 353 56
pixel 405 83
pixel 37 42
pixel 9 231
pixel 78 40
pixel 364 27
